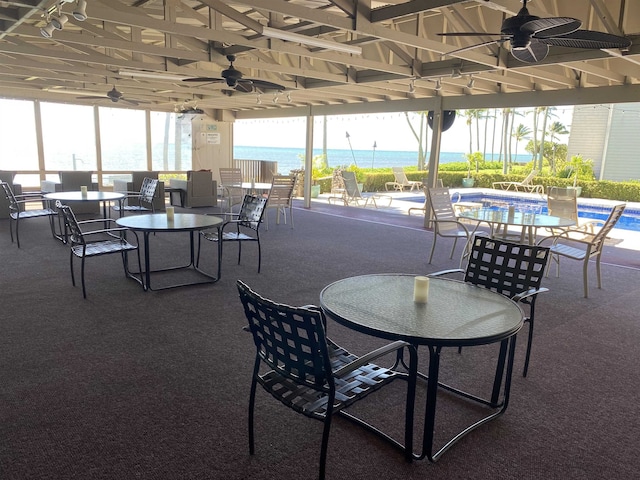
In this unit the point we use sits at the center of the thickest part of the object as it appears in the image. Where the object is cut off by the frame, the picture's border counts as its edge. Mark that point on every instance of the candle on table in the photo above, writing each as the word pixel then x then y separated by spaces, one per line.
pixel 83 190
pixel 421 289
pixel 170 213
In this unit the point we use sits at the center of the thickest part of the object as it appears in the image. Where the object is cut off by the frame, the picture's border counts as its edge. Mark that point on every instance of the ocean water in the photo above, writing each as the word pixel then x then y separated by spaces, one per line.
pixel 293 158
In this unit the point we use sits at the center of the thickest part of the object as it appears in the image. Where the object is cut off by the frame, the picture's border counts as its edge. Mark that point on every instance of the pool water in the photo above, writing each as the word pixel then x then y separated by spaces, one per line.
pixel 630 219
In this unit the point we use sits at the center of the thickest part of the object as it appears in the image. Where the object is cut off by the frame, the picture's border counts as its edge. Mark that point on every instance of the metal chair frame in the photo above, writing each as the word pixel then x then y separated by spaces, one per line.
pixel 511 269
pixel 247 227
pixel 104 241
pixel 143 200
pixel 17 210
pixel 298 365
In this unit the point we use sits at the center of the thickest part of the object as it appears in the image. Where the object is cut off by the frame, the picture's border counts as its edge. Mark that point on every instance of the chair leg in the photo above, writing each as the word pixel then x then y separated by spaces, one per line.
pixel 17 232
pixel 252 403
pixel 598 271
pixel 453 249
pixel 433 247
pixel 325 445
pixel 259 256
pixel 84 290
pixel 585 276
pixel 529 341
pixel 73 277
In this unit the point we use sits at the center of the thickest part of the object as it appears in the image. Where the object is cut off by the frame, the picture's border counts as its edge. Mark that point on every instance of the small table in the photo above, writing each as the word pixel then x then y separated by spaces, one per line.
pixel 528 221
pixel 182 222
pixel 77 196
pixel 457 314
pixel 90 196
pixel 253 187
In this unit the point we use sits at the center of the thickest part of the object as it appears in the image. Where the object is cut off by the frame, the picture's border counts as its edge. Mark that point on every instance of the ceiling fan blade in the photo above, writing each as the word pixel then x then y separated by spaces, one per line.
pixel 588 39
pixel 536 51
pixel 244 86
pixel 130 102
pixel 264 85
pixel 94 97
pixel 550 27
pixel 204 79
pixel 477 45
pixel 468 34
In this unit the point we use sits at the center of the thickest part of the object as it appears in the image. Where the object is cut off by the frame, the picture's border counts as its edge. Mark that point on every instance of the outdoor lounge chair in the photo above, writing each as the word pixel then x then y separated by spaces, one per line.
pixel 401 181
pixel 523 186
pixel 352 194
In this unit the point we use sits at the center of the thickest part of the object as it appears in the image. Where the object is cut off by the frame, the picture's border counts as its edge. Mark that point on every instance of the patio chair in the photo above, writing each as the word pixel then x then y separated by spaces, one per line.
pixel 425 206
pixel 523 186
pixel 584 249
pixel 198 190
pixel 281 198
pixel 72 181
pixel 17 210
pixel 445 223
pixel 511 269
pixel 302 368
pixel 563 202
pixel 133 186
pixel 231 184
pixel 401 181
pixel 246 224
pixel 93 243
pixel 139 202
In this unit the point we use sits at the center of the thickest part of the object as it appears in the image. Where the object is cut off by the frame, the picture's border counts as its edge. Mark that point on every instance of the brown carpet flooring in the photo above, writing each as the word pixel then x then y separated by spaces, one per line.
pixel 128 384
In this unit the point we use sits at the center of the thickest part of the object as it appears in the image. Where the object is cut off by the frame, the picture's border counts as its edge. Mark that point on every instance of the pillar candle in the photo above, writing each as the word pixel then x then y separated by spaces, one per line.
pixel 421 289
pixel 170 212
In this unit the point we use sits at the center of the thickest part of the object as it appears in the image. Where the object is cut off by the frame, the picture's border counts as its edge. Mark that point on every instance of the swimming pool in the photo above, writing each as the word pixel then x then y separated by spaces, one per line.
pixel 630 220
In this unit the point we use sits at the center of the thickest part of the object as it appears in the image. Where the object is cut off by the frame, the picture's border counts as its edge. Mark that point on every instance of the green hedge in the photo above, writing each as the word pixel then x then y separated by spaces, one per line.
pixel 623 191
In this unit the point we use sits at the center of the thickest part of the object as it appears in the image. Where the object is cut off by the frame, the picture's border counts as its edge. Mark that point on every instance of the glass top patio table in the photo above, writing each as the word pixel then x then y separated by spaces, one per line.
pixel 456 314
pixel 529 221
pixel 182 222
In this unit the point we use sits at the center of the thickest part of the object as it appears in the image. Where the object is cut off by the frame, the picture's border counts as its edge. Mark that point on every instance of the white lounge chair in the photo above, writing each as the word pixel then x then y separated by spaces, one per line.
pixel 523 186
pixel 401 181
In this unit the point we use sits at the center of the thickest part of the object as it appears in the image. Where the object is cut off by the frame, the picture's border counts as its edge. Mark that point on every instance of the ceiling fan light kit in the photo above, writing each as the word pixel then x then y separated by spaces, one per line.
pixel 531 36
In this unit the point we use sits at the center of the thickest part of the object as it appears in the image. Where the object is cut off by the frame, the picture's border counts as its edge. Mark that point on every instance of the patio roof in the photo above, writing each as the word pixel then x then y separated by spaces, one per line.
pixel 401 66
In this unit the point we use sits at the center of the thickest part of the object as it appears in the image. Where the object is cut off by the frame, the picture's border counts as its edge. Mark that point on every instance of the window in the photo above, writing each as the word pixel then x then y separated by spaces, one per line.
pixel 170 142
pixel 123 139
pixel 68 136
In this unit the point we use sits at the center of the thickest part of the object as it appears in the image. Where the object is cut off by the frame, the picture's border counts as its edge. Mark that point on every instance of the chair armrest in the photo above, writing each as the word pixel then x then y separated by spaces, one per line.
pixel 378 352
pixel 566 239
pixel 529 293
pixel 445 272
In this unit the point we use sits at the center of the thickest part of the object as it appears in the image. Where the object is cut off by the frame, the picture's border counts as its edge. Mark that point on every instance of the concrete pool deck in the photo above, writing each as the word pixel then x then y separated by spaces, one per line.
pixel 397 212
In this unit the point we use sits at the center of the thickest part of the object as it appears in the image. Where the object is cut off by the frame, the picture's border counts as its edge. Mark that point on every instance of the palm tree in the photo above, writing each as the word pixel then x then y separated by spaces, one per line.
pixel 555 130
pixel 521 132
pixel 420 136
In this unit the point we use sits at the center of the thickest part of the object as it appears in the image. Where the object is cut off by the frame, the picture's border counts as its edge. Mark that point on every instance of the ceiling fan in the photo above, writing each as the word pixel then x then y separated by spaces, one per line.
pixel 234 79
pixel 114 95
pixel 531 36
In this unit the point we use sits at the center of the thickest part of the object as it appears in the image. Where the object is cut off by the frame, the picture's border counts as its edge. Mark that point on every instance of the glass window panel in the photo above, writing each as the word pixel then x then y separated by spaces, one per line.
pixel 68 137
pixel 18 144
pixel 123 139
pixel 170 141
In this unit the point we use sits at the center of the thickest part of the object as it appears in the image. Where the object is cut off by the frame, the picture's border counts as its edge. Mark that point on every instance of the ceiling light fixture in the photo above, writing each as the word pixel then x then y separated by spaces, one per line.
pixel 312 41
pixel 438 85
pixel 154 75
pixel 80 12
pixel 59 21
pixel 471 82
pixel 47 31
